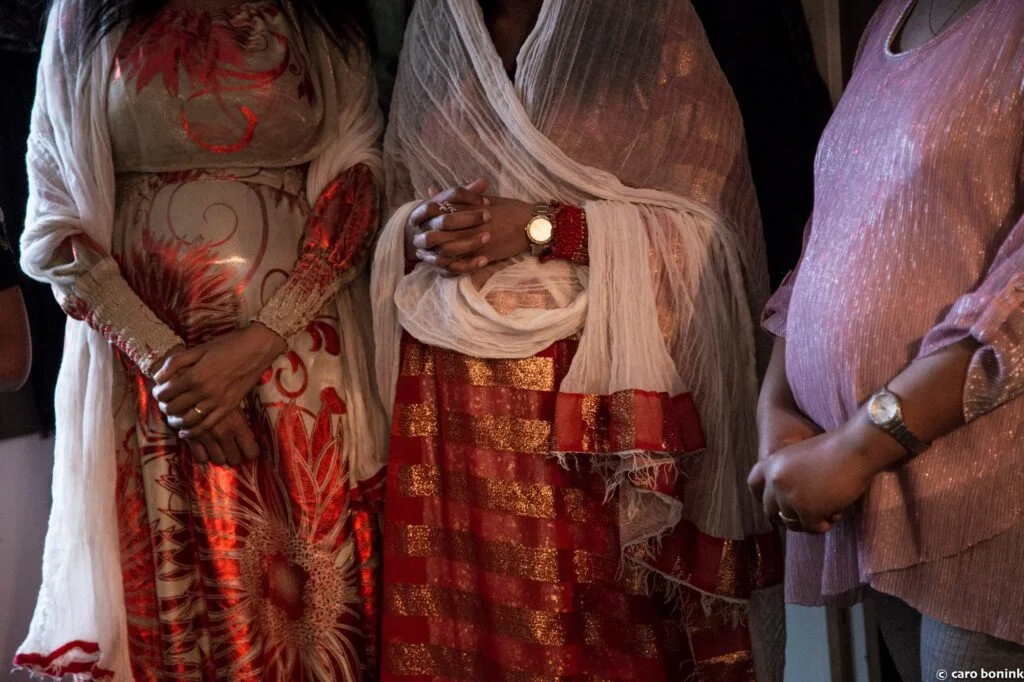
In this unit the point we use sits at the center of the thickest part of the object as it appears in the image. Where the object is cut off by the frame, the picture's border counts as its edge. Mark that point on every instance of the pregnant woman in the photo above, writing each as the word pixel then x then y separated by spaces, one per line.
pixel 892 409
pixel 203 197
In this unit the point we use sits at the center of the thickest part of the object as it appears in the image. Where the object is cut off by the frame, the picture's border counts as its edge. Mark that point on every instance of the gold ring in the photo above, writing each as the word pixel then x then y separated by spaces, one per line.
pixel 786 519
pixel 198 411
pixel 446 207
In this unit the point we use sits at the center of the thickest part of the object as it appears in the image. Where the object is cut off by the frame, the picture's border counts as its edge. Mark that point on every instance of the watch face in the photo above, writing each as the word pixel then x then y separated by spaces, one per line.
pixel 883 409
pixel 540 230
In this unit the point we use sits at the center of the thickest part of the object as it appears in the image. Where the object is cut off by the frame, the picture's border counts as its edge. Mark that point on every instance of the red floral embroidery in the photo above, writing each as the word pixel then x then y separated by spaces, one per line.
pixel 202 53
pixel 182 284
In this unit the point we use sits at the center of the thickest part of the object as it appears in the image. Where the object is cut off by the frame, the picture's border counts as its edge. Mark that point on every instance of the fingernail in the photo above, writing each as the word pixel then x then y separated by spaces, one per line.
pixel 481 261
pixel 486 216
pixel 484 238
pixel 487 202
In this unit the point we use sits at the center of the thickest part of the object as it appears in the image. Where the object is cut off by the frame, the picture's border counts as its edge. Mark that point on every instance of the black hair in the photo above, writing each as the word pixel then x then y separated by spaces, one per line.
pixel 347 22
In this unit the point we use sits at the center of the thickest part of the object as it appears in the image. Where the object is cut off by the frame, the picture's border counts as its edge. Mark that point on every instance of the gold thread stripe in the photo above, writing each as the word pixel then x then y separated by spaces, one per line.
pixel 499 433
pixel 643 639
pixel 417 420
pixel 527 625
pixel 433 660
pixel 418 360
pixel 503 558
pixel 494 495
pixel 527 374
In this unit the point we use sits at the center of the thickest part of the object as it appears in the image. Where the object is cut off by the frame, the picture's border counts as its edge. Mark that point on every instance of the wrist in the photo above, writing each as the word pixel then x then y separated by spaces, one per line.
pixel 871 444
pixel 267 342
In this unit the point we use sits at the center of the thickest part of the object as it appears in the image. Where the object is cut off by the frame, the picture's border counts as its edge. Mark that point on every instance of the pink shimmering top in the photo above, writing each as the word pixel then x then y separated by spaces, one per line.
pixel 916 243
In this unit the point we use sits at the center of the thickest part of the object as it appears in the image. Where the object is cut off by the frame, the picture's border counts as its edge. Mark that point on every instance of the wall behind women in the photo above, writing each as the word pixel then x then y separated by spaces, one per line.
pixel 24 508
pixel 836 29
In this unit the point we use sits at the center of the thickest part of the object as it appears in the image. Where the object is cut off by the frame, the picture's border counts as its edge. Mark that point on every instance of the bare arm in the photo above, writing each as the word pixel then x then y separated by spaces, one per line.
pixel 15 342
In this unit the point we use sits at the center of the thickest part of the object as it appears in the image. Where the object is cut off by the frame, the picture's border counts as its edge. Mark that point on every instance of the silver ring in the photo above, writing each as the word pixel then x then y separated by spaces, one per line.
pixel 446 207
pixel 196 409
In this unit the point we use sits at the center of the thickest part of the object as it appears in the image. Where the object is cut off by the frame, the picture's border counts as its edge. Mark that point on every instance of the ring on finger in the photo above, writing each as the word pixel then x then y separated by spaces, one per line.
pixel 446 207
pixel 195 408
pixel 787 519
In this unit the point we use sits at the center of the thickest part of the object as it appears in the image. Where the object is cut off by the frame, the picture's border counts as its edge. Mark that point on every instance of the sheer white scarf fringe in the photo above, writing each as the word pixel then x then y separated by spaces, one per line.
pixel 71 175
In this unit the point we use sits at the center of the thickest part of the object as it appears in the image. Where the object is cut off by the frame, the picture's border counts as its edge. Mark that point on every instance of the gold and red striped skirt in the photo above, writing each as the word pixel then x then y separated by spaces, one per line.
pixel 502 564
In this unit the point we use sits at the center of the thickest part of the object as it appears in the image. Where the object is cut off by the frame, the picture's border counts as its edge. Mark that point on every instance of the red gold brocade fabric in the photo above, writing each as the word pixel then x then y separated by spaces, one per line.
pixel 502 564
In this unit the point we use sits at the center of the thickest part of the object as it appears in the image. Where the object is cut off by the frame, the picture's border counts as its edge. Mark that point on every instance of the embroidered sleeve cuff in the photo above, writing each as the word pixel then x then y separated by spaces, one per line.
pixel 103 299
pixel 569 240
pixel 301 298
pixel 335 248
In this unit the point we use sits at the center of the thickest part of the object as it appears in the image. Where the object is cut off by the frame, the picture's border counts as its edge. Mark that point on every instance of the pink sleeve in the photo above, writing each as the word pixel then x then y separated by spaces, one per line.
pixel 776 311
pixel 992 315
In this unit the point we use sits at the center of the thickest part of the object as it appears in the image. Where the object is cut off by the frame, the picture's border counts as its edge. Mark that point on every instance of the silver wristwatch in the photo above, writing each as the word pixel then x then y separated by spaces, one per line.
pixel 886 412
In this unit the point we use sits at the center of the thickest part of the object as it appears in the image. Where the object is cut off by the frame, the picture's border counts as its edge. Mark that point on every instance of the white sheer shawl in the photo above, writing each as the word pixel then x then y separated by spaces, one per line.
pixel 80 625
pixel 621 108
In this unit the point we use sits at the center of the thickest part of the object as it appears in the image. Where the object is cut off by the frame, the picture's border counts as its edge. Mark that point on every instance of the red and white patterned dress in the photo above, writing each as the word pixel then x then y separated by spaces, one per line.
pixel 266 571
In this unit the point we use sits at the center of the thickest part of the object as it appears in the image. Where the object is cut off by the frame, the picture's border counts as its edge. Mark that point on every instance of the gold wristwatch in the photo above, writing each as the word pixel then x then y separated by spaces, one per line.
pixel 541 229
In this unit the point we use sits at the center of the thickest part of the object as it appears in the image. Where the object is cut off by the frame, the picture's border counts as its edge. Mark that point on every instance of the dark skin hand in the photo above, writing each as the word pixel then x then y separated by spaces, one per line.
pixel 484 229
pixel 216 377
pixel 813 478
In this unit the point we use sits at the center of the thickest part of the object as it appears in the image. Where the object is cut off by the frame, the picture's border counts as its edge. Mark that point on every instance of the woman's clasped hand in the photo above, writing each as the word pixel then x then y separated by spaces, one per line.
pixel 200 391
pixel 463 229
pixel 806 478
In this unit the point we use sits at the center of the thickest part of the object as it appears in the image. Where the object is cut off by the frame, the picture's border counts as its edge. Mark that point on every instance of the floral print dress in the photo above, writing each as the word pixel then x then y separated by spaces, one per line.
pixel 266 571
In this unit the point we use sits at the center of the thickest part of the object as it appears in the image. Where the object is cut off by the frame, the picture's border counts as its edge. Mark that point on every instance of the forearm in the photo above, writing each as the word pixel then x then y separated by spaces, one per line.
pixel 775 390
pixel 931 393
pixel 15 342
pixel 93 290
pixel 570 238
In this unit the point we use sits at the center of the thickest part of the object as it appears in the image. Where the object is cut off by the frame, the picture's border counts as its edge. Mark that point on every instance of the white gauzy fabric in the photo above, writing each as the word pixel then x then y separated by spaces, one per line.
pixel 620 108
pixel 80 614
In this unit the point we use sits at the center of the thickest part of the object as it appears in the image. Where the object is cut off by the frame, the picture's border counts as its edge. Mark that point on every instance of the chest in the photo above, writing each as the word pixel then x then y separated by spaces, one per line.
pixel 208 88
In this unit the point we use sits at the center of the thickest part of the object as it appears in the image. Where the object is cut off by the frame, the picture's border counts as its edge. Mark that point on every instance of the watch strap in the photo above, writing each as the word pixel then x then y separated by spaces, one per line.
pixel 906 438
pixel 898 429
pixel 540 210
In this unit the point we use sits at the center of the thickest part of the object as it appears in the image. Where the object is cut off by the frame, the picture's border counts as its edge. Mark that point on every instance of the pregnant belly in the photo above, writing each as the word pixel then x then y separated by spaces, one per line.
pixel 849 336
pixel 205 251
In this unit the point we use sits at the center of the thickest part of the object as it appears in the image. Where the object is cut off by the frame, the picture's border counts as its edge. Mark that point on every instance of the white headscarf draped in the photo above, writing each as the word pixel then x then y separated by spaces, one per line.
pixel 623 109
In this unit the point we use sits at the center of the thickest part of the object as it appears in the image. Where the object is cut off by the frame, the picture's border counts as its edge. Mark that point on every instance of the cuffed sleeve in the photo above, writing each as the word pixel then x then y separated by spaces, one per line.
pixel 993 316
pixel 569 240
pixel 337 242
pixel 102 298
pixel 776 311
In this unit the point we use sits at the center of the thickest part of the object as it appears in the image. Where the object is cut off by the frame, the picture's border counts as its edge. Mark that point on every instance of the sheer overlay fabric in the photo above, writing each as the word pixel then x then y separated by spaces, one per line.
pixel 620 108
